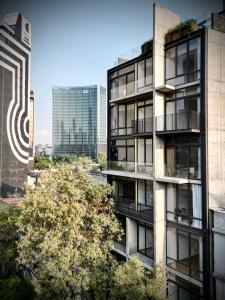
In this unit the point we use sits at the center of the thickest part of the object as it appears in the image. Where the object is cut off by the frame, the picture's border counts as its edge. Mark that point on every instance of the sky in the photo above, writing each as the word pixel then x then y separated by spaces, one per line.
pixel 75 42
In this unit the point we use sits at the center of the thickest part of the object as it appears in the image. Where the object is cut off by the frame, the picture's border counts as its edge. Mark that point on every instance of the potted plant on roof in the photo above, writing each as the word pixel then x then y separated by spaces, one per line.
pixel 182 29
pixel 146 47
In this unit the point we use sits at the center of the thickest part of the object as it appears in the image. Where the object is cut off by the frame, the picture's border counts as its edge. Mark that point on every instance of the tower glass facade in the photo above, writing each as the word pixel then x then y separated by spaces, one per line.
pixel 77 125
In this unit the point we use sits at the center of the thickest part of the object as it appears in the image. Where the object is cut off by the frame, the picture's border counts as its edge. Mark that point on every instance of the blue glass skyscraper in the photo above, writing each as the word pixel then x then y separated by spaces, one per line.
pixel 79 120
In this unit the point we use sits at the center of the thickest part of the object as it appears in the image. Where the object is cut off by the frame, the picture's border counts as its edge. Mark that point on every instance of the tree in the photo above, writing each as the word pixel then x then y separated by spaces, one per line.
pixel 8 237
pixel 41 162
pixel 102 161
pixel 67 225
pixel 128 281
pixel 63 158
pixel 15 288
pixel 12 285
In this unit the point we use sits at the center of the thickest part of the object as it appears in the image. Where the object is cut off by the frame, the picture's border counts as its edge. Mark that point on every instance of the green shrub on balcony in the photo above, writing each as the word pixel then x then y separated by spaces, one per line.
pixel 183 29
pixel 146 47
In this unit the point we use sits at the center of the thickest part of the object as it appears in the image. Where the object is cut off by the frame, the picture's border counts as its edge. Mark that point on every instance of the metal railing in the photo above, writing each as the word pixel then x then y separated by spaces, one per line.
pixel 121 166
pixel 183 172
pixel 144 125
pixel 128 207
pixel 128 89
pixel 139 126
pixel 178 121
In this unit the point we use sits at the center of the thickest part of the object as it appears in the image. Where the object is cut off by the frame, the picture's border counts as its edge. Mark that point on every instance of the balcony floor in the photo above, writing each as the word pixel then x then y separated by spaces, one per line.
pixel 128 174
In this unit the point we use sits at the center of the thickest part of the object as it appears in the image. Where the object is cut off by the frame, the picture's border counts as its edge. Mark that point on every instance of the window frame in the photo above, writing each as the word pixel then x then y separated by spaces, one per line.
pixel 187 74
pixel 189 265
pixel 189 216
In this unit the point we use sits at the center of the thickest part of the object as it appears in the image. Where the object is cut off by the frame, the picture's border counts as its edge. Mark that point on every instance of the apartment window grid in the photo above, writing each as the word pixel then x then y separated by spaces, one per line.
pixel 180 289
pixel 145 238
pixel 145 194
pixel 122 82
pixel 122 119
pixel 182 110
pixel 183 157
pixel 144 116
pixel 145 71
pixel 183 62
pixel 185 252
pixel 184 204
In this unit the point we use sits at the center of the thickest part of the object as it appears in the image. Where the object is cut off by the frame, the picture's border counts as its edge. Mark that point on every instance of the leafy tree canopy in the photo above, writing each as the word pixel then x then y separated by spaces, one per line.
pixel 67 225
pixel 41 162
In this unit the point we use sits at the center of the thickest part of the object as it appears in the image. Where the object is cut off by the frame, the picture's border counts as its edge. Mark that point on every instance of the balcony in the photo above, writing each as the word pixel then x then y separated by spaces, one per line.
pixel 140 126
pixel 192 172
pixel 178 122
pixel 121 166
pixel 129 90
pixel 144 125
pixel 130 169
pixel 128 207
pixel 119 247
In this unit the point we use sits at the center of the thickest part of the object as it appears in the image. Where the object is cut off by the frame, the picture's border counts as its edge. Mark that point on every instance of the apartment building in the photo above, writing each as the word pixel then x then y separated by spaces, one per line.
pixel 15 146
pixel 166 152
pixel 79 120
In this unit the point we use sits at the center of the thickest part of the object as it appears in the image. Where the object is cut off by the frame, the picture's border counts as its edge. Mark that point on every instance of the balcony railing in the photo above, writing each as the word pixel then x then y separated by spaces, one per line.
pixel 178 121
pixel 134 87
pixel 139 126
pixel 121 166
pixel 128 207
pixel 142 168
pixel 144 125
pixel 183 172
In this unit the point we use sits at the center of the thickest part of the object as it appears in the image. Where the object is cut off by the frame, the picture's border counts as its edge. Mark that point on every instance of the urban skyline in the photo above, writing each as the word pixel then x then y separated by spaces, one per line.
pixel 106 39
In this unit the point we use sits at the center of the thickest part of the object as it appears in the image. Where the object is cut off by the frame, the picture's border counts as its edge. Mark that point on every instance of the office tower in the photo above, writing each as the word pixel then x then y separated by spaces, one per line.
pixel 79 120
pixel 15 52
pixel 31 131
pixel 166 152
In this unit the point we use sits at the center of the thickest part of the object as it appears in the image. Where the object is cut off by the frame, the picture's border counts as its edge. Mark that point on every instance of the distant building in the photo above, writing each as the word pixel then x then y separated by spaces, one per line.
pixel 15 52
pixel 43 150
pixel 79 120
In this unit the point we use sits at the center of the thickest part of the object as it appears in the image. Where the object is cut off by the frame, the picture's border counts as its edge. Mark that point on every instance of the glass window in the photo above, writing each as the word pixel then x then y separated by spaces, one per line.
pixel 130 118
pixel 149 151
pixel 194 55
pixel 182 61
pixel 149 71
pixel 184 252
pixel 141 73
pixel 170 63
pixel 130 83
pixel 121 116
pixel 145 240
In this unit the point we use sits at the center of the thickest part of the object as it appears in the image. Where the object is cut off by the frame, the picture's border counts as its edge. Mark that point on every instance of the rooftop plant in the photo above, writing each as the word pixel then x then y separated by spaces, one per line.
pixel 182 29
pixel 146 47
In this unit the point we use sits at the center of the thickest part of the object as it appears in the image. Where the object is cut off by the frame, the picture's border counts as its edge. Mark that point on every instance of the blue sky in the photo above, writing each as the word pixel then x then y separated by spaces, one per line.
pixel 74 42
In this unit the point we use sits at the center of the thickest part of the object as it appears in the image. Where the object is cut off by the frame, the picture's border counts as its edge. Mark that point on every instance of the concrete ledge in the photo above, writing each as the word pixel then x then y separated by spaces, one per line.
pixel 128 174
pixel 166 88
pixel 176 180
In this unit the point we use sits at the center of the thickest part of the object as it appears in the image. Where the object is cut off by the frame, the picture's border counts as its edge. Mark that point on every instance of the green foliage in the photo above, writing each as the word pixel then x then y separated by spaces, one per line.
pixel 102 161
pixel 8 237
pixel 41 162
pixel 146 47
pixel 15 288
pixel 182 29
pixel 64 158
pixel 128 281
pixel 67 225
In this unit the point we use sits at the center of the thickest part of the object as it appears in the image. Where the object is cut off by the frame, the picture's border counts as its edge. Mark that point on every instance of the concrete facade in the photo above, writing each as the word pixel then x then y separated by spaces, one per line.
pixel 166 153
